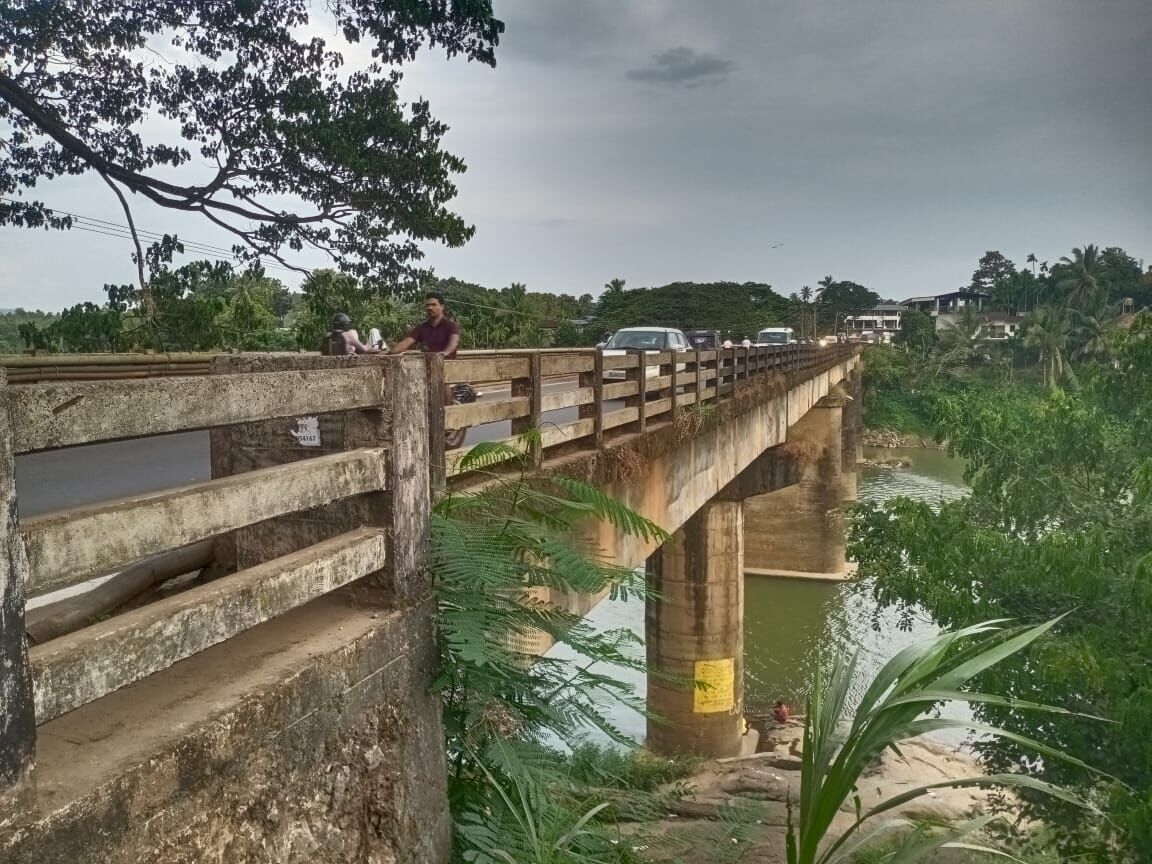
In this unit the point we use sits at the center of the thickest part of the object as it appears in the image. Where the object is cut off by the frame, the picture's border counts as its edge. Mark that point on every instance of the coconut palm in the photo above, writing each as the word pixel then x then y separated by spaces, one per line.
pixel 614 286
pixel 958 342
pixel 895 708
pixel 1081 285
pixel 825 283
pixel 806 296
pixel 1091 332
pixel 1049 333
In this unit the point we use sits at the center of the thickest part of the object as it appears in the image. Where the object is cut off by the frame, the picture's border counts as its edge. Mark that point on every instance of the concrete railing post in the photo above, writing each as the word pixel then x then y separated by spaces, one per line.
pixel 17 718
pixel 639 401
pixel 437 471
pixel 595 380
pixel 530 387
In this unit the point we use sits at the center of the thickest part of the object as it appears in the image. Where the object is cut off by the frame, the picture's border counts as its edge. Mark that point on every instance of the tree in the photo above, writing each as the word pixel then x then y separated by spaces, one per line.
pixel 1031 259
pixel 806 297
pixel 272 110
pixel 1120 275
pixel 992 268
pixel 1049 332
pixel 917 330
pixel 1058 518
pixel 741 309
pixel 839 298
pixel 614 286
pixel 1012 293
pixel 1078 279
pixel 958 342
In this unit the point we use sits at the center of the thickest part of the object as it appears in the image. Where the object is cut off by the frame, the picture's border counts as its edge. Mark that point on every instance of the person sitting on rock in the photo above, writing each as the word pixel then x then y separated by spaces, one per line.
pixel 780 712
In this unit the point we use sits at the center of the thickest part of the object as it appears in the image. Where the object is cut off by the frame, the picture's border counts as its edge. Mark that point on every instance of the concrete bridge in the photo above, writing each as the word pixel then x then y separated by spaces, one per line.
pixel 282 712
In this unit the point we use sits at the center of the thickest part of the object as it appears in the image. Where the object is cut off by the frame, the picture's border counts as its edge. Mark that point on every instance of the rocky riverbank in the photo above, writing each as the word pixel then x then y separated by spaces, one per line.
pixel 745 798
pixel 890 439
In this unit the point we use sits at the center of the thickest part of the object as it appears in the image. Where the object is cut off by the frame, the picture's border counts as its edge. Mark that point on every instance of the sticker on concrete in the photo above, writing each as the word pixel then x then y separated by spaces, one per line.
pixel 307 432
pixel 719 694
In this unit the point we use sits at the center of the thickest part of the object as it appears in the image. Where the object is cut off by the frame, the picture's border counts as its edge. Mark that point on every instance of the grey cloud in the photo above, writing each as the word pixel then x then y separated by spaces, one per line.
pixel 683 67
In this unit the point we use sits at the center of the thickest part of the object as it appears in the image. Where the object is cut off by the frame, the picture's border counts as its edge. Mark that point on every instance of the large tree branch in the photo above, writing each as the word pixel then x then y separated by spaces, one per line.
pixel 192 198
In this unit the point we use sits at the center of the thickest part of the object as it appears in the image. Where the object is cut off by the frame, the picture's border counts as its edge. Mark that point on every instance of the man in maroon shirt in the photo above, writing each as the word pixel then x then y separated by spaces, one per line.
pixel 437 334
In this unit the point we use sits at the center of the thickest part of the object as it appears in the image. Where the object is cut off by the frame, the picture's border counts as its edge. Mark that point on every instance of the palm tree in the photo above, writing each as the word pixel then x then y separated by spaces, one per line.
pixel 1092 335
pixel 825 283
pixel 1031 259
pixel 806 296
pixel 1049 332
pixel 614 286
pixel 1081 286
pixel 958 342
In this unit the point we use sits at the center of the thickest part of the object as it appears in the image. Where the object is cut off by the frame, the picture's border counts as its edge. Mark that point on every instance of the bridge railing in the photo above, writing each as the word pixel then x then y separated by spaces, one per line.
pixel 613 394
pixel 379 400
pixel 322 474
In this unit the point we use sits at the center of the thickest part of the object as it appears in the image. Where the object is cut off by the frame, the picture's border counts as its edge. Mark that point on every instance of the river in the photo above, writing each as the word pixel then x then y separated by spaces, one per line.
pixel 788 623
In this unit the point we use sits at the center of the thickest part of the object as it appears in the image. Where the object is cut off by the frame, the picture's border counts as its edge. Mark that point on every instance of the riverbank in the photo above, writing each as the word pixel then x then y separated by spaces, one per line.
pixel 758 788
pixel 890 439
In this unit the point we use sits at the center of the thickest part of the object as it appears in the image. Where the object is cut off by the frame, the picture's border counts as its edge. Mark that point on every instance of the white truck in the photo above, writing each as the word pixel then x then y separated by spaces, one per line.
pixel 775 336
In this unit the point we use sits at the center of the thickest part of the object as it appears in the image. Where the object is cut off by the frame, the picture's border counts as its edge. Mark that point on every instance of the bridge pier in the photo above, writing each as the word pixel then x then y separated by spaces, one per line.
pixel 798 530
pixel 850 449
pixel 695 633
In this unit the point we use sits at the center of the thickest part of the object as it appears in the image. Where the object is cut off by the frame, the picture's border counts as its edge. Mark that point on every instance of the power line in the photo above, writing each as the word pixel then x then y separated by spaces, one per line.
pixel 121 231
pixel 94 225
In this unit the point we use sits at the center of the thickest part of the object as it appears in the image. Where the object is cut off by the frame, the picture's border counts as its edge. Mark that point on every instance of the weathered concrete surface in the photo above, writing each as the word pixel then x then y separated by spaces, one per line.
pixel 312 739
pixel 61 415
pixel 400 426
pixel 694 629
pixel 17 723
pixel 800 528
pixel 83 666
pixel 671 472
pixel 850 422
pixel 73 544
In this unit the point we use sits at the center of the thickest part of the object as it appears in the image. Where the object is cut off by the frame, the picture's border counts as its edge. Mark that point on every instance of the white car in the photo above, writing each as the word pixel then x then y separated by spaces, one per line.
pixel 651 339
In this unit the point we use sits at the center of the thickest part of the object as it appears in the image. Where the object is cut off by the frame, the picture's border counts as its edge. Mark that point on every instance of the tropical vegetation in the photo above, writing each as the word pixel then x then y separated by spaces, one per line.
pixel 1055 428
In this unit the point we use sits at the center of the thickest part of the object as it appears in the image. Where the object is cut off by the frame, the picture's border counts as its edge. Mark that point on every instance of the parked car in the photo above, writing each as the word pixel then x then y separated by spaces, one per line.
pixel 651 339
pixel 703 340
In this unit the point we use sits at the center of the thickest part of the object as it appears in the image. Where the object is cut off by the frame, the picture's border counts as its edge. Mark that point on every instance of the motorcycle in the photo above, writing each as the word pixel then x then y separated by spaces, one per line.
pixel 462 394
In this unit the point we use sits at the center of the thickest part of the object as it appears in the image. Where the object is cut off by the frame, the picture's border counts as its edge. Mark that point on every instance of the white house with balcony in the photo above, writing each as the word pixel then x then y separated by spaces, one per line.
pixel 878 324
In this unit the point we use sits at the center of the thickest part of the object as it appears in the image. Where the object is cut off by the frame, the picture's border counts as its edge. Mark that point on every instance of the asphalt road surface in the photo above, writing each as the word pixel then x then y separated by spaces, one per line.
pixel 59 479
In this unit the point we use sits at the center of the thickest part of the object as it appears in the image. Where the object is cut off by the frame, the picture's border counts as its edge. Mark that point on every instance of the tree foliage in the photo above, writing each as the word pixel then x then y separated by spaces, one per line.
pixel 740 309
pixel 897 706
pixel 1059 518
pixel 917 331
pixel 248 89
pixel 993 267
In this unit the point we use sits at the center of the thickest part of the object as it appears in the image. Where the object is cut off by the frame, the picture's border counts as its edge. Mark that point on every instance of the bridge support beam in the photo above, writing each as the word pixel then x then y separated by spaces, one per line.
pixel 695 632
pixel 798 530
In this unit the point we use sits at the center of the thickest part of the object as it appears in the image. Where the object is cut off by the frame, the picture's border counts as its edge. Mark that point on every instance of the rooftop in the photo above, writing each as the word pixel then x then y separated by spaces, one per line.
pixel 963 292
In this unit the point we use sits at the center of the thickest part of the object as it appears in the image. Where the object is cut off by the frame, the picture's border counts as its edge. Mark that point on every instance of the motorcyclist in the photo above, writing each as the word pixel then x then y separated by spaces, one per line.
pixel 343 339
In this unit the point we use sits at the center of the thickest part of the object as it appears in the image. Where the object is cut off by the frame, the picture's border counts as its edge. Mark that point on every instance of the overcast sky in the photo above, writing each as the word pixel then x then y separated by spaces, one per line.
pixel 890 143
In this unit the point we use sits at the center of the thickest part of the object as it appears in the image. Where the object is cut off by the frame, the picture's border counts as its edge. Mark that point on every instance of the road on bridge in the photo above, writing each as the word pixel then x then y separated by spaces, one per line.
pixel 59 479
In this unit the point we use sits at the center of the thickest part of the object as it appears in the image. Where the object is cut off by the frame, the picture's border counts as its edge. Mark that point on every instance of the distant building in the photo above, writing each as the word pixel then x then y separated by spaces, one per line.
pixel 878 324
pixel 946 309
pixel 999 326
